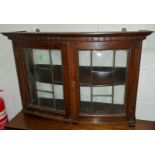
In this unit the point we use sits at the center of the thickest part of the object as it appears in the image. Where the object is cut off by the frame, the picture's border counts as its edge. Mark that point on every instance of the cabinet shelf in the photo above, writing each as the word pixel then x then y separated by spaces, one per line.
pixel 43 73
pixel 58 104
pixel 97 76
pixel 102 76
pixel 101 108
pixel 86 106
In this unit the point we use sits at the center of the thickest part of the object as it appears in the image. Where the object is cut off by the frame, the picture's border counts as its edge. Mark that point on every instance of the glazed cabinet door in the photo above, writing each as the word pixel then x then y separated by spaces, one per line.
pixel 100 80
pixel 43 71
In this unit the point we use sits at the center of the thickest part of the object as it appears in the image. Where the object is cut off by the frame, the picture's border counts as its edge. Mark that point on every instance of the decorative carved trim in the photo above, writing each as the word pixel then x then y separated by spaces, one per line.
pixel 19 37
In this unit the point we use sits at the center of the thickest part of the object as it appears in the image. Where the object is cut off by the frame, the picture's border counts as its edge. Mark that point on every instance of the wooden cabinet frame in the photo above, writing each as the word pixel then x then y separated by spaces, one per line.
pixel 69 44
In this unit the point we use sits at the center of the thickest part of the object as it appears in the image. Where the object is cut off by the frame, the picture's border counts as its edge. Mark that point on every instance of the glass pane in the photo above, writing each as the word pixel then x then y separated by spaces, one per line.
pixel 102 79
pixel 44 75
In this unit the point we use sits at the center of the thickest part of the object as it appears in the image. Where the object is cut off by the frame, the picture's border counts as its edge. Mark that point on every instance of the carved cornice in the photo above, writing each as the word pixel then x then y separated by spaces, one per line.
pixel 82 37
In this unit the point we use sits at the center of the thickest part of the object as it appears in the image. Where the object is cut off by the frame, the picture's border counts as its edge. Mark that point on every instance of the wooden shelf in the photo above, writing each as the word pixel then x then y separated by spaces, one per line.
pixel 97 108
pixel 43 73
pixel 100 75
pixel 85 107
pixel 49 103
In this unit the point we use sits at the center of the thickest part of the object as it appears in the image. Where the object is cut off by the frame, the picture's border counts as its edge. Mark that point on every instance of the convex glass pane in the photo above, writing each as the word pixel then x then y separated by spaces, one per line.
pixel 102 79
pixel 44 75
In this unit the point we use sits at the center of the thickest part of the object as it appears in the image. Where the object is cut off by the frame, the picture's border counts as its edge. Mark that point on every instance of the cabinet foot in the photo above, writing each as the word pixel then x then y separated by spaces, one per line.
pixel 132 124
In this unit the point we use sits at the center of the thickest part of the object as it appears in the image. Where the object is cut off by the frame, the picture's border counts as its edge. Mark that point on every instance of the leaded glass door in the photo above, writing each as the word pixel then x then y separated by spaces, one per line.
pixel 44 69
pixel 102 81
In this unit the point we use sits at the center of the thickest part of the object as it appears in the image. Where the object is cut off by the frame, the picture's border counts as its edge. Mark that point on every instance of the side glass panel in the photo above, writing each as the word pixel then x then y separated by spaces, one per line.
pixel 44 75
pixel 102 80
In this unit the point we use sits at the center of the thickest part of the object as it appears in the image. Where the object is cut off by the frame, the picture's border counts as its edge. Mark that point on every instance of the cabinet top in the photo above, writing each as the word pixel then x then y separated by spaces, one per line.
pixel 22 35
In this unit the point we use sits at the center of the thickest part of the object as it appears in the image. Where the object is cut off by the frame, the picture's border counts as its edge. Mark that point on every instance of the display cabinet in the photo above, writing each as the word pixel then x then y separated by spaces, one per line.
pixel 79 77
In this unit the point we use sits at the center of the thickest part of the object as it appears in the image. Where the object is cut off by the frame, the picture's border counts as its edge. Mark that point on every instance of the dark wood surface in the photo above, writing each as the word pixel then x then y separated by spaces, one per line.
pixel 78 34
pixel 28 122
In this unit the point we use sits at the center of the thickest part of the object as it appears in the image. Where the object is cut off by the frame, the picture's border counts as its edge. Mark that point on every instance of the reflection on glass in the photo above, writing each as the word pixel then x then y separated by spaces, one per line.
pixel 102 78
pixel 44 74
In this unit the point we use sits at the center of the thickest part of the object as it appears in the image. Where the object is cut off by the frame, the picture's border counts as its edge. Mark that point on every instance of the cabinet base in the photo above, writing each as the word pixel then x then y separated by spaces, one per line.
pixel 94 121
pixel 29 122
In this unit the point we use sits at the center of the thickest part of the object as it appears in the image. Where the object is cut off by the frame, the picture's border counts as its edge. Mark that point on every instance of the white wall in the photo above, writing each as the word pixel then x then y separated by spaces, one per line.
pixel 8 77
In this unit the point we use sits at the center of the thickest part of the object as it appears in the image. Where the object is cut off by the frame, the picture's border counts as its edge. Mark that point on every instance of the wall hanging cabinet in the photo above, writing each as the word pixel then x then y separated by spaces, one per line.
pixel 79 77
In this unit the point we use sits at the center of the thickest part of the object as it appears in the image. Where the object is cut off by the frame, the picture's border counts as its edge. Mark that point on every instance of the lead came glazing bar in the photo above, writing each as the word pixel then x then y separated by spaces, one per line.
pixel 114 61
pixel 52 69
pixel 91 80
pixel 45 91
pixel 102 95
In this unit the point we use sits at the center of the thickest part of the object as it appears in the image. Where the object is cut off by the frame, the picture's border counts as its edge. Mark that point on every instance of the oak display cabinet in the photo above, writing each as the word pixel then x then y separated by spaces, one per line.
pixel 79 77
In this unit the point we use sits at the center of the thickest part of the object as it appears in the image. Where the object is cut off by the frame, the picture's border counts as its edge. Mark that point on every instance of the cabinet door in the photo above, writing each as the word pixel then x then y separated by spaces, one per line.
pixel 45 70
pixel 99 78
pixel 102 81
